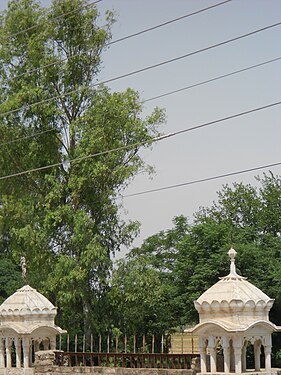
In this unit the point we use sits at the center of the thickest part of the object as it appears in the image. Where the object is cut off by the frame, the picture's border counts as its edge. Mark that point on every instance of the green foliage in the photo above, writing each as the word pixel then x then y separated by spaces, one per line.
pixel 139 296
pixel 10 278
pixel 65 219
pixel 190 258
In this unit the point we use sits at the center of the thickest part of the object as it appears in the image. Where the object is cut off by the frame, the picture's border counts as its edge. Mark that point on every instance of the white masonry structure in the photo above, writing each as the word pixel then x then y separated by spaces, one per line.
pixel 26 325
pixel 232 313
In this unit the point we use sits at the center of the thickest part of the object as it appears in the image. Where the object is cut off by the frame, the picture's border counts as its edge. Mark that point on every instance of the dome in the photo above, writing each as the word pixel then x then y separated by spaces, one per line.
pixel 28 311
pixel 233 298
pixel 27 300
pixel 231 288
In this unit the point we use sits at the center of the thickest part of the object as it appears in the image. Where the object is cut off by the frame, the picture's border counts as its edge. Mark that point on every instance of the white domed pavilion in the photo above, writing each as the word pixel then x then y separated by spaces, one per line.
pixel 26 322
pixel 232 313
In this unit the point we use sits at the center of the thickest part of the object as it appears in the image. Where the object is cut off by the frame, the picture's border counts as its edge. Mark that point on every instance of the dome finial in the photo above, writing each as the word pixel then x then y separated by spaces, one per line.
pixel 232 254
pixel 23 268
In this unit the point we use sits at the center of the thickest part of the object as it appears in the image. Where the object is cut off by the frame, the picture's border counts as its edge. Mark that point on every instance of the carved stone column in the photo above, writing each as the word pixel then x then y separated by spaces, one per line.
pixel 203 357
pixel 244 352
pixel 213 353
pixel 237 345
pixel 53 343
pixel 46 344
pixel 267 355
pixel 8 344
pixel 17 342
pixel 2 353
pixel 226 353
pixel 257 355
pixel 25 348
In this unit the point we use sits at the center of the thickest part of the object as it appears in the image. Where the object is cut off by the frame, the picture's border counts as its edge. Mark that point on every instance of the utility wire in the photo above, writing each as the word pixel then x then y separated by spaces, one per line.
pixel 26 137
pixel 144 69
pixel 118 40
pixel 149 99
pixel 168 22
pixel 52 18
pixel 194 52
pixel 202 180
pixel 152 140
pixel 211 80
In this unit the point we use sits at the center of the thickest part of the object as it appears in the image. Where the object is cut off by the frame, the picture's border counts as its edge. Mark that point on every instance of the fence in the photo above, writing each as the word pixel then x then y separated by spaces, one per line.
pixel 109 343
pixel 127 360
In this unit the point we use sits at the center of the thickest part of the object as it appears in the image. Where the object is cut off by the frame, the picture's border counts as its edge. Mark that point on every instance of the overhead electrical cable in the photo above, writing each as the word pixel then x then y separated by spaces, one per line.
pixel 152 140
pixel 145 100
pixel 170 60
pixel 26 137
pixel 211 80
pixel 168 22
pixel 195 52
pixel 132 73
pixel 52 18
pixel 118 40
pixel 203 180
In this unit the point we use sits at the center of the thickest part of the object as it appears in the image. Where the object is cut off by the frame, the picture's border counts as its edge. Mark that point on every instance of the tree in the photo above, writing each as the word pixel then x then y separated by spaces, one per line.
pixel 191 257
pixel 10 278
pixel 65 219
pixel 140 297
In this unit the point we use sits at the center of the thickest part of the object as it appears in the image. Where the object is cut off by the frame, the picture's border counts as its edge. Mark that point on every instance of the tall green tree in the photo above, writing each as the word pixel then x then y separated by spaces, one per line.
pixel 65 219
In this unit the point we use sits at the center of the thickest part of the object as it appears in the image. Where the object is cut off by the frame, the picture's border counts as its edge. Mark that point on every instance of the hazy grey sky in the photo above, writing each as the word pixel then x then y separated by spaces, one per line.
pixel 237 144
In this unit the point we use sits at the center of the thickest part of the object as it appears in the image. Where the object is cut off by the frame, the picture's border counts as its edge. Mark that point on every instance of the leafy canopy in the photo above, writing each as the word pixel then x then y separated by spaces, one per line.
pixel 174 267
pixel 65 220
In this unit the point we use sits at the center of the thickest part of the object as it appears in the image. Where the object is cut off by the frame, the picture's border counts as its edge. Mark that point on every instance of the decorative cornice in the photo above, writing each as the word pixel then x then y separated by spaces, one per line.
pixel 27 311
pixel 233 305
pixel 235 328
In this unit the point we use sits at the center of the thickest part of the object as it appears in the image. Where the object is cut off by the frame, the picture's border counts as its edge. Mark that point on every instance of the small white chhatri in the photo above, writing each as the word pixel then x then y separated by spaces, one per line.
pixel 232 313
pixel 26 321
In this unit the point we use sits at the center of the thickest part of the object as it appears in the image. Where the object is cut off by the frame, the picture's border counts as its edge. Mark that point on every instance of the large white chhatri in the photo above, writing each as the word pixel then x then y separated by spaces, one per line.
pixel 232 313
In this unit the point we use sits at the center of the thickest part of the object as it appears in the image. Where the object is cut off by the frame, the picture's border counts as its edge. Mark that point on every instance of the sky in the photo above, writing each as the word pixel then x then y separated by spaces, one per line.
pixel 241 143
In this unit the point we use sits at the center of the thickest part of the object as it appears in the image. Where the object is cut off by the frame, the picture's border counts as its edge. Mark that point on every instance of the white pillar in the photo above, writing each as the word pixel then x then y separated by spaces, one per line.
pixel 25 348
pixel 203 357
pixel 267 355
pixel 238 364
pixel 237 345
pixel 226 353
pixel 244 351
pixel 257 355
pixel 8 344
pixel 2 353
pixel 17 342
pixel 53 343
pixel 31 342
pixel 46 344
pixel 213 353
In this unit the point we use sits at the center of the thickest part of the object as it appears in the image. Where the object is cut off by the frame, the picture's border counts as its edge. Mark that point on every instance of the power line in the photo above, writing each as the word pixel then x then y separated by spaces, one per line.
pixel 152 140
pixel 26 137
pixel 194 52
pixel 211 80
pixel 120 39
pixel 145 100
pixel 223 119
pixel 168 22
pixel 157 65
pixel 52 18
pixel 203 180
